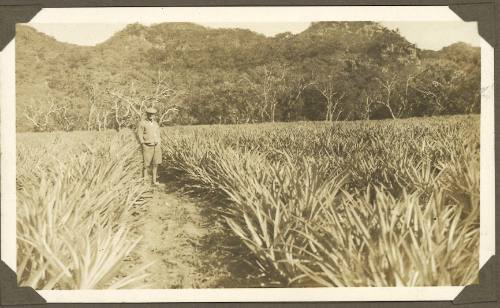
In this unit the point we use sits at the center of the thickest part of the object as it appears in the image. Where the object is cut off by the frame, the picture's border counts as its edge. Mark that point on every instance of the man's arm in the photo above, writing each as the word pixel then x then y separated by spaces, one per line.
pixel 158 132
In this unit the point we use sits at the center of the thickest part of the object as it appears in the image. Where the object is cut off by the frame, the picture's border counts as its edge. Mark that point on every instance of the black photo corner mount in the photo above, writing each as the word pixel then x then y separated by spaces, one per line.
pixel 485 291
pixel 9 16
pixel 482 12
pixel 11 293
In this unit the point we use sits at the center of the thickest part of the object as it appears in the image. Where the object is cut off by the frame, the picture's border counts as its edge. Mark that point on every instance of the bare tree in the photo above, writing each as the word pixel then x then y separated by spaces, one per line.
pixel 121 113
pixel 129 104
pixel 42 117
pixel 265 83
pixel 388 87
pixel 52 114
pixel 262 89
pixel 337 106
pixel 327 90
pixel 90 115
pixel 250 100
pixel 367 105
pixel 403 101
pixel 290 90
pixel 277 83
pixel 97 108
pixel 433 90
pixel 332 100
pixel 101 119
pixel 326 87
pixel 65 118
pixel 166 115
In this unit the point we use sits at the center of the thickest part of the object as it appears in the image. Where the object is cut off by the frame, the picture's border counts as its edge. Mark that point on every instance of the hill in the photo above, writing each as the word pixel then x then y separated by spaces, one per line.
pixel 332 70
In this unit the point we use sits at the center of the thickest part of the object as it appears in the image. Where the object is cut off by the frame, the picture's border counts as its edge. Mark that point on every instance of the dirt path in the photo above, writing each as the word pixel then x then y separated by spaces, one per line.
pixel 172 228
pixel 189 246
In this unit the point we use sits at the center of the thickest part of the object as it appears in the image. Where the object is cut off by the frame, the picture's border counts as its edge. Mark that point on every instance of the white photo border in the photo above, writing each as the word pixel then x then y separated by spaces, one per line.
pixel 245 14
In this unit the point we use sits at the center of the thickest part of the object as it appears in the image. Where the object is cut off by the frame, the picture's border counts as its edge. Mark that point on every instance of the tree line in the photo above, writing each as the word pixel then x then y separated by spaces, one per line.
pixel 333 71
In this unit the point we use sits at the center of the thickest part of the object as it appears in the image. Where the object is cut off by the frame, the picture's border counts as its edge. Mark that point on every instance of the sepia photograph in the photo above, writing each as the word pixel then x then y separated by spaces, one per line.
pixel 271 154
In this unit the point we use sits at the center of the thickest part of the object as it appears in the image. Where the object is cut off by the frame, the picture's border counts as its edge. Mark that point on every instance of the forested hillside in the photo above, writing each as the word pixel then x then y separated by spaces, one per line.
pixel 331 71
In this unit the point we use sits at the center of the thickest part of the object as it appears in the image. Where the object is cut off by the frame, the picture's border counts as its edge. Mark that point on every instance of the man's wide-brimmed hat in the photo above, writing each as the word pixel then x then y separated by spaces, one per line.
pixel 151 110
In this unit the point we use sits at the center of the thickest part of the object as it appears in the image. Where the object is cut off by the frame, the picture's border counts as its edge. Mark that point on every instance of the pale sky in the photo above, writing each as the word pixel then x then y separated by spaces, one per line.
pixel 426 35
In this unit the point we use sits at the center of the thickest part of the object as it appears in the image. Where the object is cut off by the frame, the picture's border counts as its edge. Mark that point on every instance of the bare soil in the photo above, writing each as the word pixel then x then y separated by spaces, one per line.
pixel 188 242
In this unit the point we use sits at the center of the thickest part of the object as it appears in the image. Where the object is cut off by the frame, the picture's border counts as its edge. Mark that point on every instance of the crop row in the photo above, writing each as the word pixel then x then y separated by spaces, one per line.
pixel 388 203
pixel 75 196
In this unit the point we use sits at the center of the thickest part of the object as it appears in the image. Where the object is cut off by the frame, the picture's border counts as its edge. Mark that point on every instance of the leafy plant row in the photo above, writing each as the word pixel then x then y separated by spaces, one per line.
pixel 75 197
pixel 389 203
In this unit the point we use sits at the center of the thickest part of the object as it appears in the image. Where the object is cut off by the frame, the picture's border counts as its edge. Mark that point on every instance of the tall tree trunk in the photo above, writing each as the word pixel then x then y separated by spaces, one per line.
pixel 391 112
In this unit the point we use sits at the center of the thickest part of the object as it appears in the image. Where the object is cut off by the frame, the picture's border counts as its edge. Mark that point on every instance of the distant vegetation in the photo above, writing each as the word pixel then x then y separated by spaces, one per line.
pixel 331 71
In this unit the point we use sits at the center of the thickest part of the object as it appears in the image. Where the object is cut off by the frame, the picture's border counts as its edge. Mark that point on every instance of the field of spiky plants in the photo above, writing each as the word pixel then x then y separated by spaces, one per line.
pixel 368 203
pixel 76 193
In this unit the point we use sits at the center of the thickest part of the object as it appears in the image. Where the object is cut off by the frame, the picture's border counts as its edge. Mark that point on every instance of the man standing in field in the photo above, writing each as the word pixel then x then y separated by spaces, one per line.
pixel 148 132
